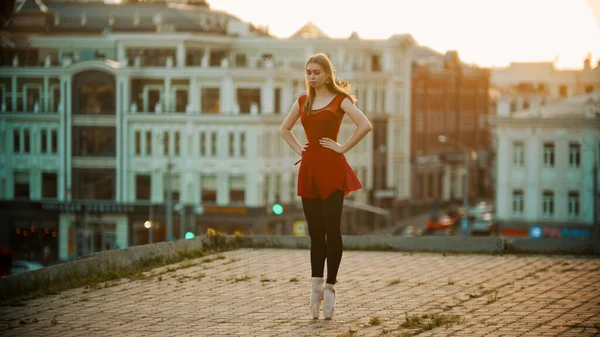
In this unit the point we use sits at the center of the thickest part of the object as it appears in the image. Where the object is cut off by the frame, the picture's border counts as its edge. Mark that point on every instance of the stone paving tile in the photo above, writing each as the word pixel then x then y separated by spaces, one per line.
pixel 264 292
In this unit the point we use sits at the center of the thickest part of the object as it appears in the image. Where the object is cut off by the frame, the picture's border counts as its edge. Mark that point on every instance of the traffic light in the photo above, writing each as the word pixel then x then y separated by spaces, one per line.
pixel 277 209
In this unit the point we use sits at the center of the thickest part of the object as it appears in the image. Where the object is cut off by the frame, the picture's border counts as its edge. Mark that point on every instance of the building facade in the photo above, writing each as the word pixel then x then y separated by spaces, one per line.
pixel 449 99
pixel 545 164
pixel 119 114
pixel 525 84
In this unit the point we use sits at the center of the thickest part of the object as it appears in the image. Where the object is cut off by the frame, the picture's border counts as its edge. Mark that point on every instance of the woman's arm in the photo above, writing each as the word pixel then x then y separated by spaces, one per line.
pixel 286 129
pixel 363 125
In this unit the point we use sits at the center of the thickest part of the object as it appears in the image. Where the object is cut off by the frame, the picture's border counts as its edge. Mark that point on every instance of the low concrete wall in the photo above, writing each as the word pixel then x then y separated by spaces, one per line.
pixel 549 246
pixel 430 243
pixel 99 262
pixel 130 257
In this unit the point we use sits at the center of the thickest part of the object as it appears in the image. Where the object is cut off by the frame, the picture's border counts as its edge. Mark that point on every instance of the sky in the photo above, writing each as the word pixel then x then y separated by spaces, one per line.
pixel 485 32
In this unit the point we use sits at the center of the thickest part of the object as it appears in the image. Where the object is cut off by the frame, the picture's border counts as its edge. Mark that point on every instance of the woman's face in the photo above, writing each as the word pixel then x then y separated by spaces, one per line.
pixel 315 75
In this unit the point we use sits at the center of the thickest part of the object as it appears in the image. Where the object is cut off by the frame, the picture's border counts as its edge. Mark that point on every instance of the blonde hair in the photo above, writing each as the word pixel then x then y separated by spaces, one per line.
pixel 338 86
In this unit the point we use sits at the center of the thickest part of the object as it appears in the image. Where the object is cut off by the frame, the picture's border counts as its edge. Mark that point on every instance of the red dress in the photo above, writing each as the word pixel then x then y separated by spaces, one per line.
pixel 323 171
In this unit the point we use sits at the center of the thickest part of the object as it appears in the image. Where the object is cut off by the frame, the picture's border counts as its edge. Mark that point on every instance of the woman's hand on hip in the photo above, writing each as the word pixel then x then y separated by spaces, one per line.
pixel 302 149
pixel 331 144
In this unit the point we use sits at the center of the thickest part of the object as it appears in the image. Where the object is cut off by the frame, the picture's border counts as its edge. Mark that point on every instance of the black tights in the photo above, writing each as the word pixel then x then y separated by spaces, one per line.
pixel 323 217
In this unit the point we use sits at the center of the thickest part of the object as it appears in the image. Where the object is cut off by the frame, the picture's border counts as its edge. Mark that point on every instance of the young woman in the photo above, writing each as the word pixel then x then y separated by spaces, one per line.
pixel 324 178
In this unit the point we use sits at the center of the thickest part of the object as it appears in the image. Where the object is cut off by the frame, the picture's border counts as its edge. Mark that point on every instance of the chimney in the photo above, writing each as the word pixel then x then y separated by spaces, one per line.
pixel 587 62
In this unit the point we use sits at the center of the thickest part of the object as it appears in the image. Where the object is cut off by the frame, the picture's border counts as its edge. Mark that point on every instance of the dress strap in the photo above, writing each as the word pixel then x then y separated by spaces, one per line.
pixel 301 101
pixel 338 103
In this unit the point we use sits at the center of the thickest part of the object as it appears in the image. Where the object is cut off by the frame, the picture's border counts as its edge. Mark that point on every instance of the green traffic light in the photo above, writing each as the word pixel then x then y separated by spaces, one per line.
pixel 277 209
pixel 189 235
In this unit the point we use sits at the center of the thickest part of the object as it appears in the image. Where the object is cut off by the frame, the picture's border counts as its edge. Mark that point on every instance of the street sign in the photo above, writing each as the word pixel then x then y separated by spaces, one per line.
pixel 535 232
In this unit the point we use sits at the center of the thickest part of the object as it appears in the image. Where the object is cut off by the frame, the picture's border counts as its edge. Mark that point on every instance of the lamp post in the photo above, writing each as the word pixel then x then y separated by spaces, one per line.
pixel 444 139
pixel 169 204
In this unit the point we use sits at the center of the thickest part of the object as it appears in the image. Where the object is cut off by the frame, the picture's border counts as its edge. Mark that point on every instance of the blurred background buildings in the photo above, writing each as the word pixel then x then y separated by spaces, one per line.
pixel 113 116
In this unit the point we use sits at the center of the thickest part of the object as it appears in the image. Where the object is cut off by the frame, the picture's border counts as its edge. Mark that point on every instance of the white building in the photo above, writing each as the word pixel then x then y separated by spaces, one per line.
pixel 545 160
pixel 100 103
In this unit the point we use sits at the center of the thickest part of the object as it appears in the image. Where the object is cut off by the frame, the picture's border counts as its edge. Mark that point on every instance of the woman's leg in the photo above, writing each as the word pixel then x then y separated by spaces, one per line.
pixel 332 214
pixel 316 230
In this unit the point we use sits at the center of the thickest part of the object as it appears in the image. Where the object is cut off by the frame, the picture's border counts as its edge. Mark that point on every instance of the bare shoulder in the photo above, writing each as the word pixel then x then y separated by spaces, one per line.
pixel 348 106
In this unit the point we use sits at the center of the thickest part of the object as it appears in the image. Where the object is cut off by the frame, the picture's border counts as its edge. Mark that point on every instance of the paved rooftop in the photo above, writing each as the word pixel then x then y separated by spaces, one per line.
pixel 265 292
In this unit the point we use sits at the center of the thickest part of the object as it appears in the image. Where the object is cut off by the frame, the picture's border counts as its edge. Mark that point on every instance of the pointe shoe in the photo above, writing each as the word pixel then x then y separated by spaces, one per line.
pixel 328 301
pixel 316 296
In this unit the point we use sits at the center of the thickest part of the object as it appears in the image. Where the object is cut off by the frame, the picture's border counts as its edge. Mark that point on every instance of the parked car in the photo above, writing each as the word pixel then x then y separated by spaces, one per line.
pixel 445 226
pixel 21 266
pixel 483 224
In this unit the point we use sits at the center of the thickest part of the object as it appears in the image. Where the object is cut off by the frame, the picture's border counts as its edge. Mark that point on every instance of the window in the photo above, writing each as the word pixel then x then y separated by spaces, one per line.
pixel 248 100
pixel 518 202
pixel 151 57
pixel 589 89
pixel 574 155
pixel 375 63
pixel 193 57
pixel 54 140
pixel 181 100
pixel 526 104
pixel 548 155
pixel 548 203
pixel 573 204
pixel 21 185
pixel 237 189
pixel 55 99
pixel 216 56
pixel 518 154
pixel 210 100
pixel 202 144
pixel 94 93
pixel 49 185
pixel 143 184
pixel 166 143
pixel 208 189
pixel 94 184
pixel 541 87
pixel 177 143
pixel 95 141
pixel 242 144
pixel 154 101
pixel 277 103
pixel 148 143
pixel 138 143
pixel 44 141
pixel 562 91
pixel 213 144
pixel 231 144
pixel 16 140
pixel 240 60
pixel 26 141
pixel 33 98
